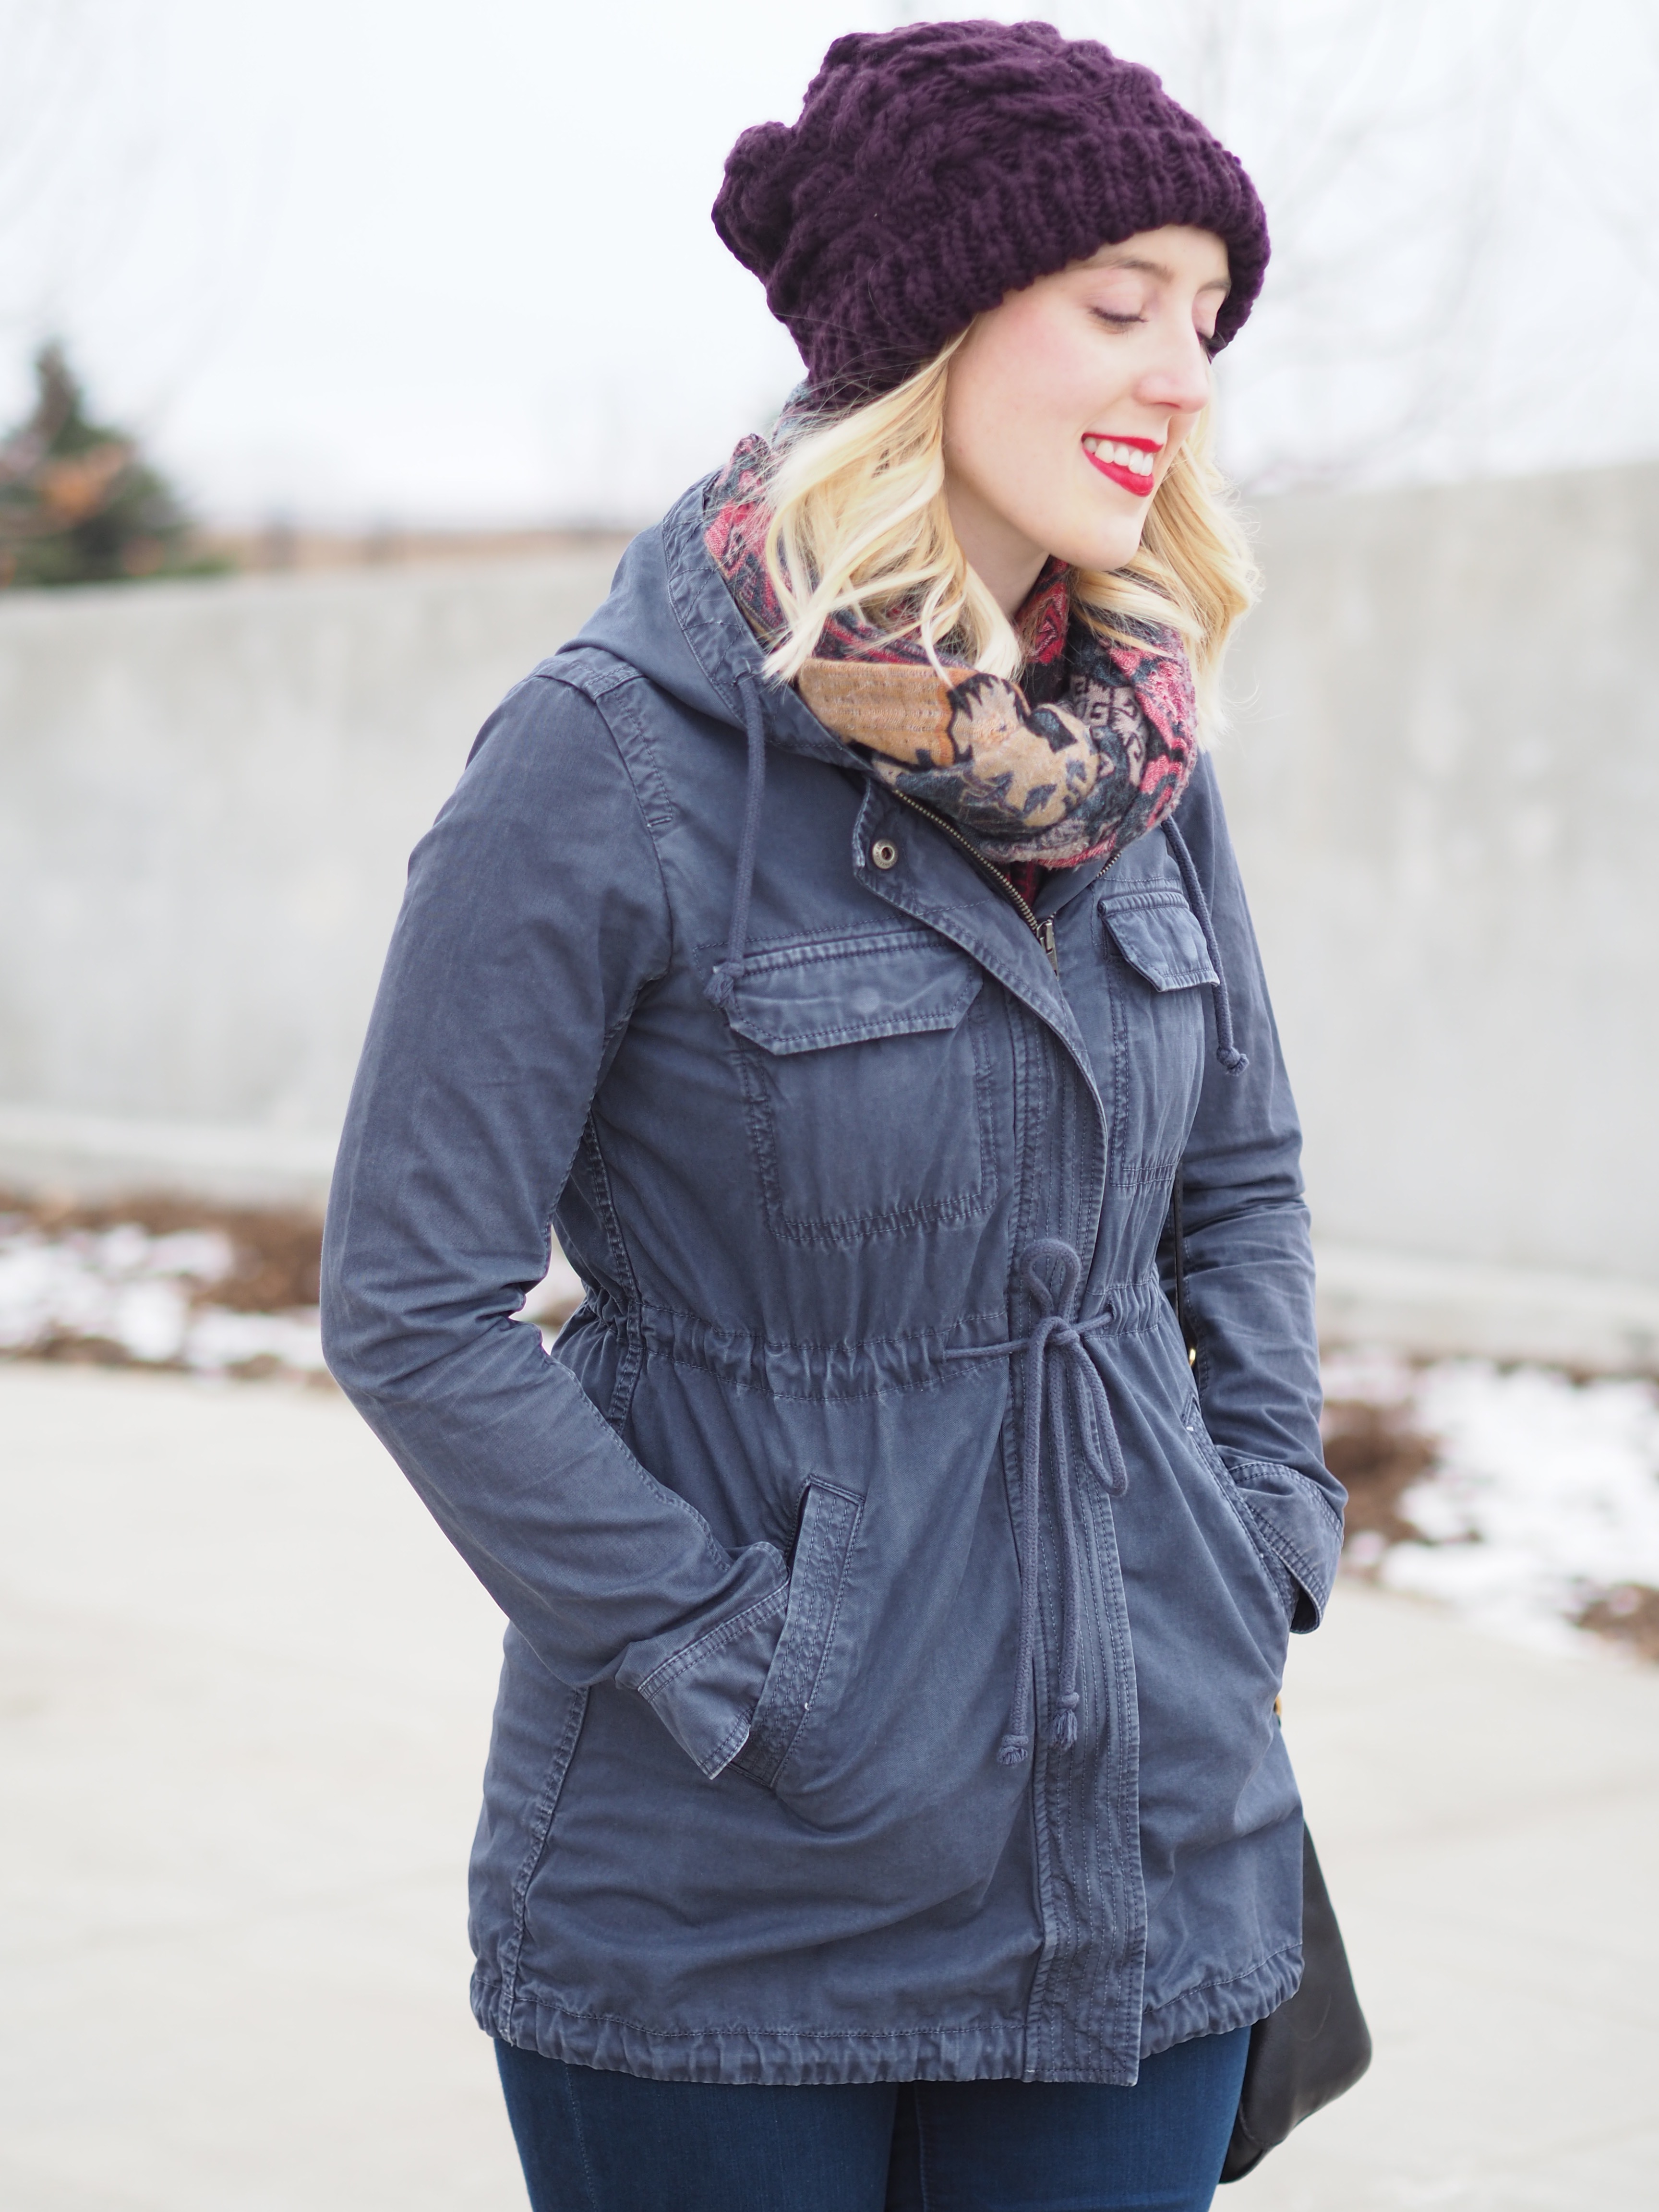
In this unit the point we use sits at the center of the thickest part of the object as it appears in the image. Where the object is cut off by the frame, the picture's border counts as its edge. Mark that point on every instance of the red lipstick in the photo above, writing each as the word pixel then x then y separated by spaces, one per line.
pixel 1111 456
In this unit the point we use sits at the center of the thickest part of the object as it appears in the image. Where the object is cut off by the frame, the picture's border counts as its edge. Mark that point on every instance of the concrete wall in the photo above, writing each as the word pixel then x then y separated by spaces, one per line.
pixel 1444 782
pixel 208 795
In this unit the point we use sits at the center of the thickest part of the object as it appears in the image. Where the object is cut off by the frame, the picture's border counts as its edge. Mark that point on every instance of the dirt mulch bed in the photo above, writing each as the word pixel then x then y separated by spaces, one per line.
pixel 278 1250
pixel 1628 1615
pixel 1376 1456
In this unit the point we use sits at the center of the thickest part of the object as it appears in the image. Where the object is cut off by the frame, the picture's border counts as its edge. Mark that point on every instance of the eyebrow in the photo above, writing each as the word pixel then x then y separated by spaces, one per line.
pixel 1159 269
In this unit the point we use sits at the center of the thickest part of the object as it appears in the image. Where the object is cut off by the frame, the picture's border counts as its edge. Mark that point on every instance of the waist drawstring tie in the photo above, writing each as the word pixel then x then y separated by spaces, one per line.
pixel 1226 1051
pixel 726 978
pixel 1058 1334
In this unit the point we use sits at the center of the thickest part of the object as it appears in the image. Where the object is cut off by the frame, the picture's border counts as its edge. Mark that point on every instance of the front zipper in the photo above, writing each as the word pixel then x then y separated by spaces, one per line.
pixel 1042 929
pixel 1041 926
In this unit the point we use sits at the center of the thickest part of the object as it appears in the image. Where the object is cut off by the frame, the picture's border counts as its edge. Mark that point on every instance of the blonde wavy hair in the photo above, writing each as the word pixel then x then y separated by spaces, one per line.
pixel 859 515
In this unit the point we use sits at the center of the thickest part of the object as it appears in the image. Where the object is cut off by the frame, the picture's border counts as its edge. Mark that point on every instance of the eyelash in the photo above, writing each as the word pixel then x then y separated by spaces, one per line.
pixel 1128 322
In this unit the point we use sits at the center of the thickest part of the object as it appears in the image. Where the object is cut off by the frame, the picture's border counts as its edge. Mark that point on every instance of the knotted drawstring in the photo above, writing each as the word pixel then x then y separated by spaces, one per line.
pixel 1056 1331
pixel 726 978
pixel 1226 1051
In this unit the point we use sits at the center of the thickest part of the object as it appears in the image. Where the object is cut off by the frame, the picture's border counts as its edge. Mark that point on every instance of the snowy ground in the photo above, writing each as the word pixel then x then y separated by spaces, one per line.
pixel 144 1294
pixel 1524 1501
pixel 1527 1502
pixel 125 1295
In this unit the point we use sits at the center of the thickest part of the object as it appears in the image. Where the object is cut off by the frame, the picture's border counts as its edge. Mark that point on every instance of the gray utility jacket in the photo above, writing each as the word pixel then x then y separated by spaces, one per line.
pixel 894 1631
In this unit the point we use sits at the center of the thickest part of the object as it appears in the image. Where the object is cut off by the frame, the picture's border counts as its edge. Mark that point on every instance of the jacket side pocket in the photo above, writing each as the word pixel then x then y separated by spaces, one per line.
pixel 1272 1568
pixel 829 1518
pixel 1298 1524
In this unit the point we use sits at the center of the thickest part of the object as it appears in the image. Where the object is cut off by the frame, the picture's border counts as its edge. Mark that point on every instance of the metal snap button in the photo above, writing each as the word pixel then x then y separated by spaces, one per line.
pixel 885 853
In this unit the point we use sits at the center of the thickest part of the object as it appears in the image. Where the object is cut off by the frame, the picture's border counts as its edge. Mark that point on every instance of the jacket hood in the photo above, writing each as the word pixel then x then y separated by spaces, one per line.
pixel 670 616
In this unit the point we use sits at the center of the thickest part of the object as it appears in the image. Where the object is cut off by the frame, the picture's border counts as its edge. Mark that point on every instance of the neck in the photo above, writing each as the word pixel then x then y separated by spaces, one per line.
pixel 999 553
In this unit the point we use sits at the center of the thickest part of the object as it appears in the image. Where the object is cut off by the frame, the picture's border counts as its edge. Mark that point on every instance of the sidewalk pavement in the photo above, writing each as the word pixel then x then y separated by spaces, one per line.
pixel 244 1689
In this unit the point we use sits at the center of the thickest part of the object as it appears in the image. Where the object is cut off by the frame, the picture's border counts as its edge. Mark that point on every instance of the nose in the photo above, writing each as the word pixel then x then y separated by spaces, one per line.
pixel 1178 376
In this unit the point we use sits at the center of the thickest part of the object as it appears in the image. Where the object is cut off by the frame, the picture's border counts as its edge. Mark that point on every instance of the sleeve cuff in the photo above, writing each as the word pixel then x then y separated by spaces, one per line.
pixel 1300 1526
pixel 705 1691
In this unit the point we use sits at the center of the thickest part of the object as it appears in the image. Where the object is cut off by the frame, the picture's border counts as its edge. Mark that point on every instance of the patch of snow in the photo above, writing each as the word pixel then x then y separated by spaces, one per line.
pixel 1544 1498
pixel 218 1340
pixel 118 1285
pixel 145 1295
pixel 1371 1376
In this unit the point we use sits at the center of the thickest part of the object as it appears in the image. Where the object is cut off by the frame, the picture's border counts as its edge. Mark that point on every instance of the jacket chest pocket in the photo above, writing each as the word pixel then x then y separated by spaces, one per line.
pixel 864 1065
pixel 1157 969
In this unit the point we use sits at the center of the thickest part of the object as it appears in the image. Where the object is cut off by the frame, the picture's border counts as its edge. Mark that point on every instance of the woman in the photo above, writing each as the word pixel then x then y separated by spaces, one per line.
pixel 840 946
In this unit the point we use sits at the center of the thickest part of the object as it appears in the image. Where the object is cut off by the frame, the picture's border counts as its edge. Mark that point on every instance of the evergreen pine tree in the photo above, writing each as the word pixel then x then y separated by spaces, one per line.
pixel 78 502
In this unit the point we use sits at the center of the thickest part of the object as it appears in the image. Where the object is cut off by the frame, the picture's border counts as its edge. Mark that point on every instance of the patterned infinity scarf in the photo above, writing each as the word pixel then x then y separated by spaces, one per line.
pixel 1089 752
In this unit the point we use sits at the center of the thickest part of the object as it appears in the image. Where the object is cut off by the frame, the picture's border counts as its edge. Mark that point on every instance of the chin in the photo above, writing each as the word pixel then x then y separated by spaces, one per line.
pixel 1090 533
pixel 1099 550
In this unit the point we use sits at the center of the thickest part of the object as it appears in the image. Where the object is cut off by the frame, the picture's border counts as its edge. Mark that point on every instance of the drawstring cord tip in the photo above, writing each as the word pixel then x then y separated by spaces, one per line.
pixel 1063 1735
pixel 1225 1050
pixel 1013 1750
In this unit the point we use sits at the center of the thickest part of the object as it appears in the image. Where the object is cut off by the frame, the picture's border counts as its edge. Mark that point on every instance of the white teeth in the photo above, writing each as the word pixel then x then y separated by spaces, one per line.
pixel 1124 457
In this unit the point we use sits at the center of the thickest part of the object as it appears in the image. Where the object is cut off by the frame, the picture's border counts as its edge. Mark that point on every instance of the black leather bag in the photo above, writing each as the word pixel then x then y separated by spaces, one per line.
pixel 1313 2048
pixel 1317 2044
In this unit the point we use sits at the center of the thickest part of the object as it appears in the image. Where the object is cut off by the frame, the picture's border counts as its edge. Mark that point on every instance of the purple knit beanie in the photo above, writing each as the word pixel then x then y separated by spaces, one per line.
pixel 938 167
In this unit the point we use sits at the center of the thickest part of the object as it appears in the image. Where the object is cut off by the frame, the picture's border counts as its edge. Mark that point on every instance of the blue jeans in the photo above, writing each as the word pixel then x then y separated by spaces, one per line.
pixel 611 2142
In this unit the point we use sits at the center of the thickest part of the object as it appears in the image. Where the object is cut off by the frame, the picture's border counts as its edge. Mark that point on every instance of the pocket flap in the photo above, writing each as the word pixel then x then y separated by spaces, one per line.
pixel 1162 941
pixel 829 1519
pixel 803 997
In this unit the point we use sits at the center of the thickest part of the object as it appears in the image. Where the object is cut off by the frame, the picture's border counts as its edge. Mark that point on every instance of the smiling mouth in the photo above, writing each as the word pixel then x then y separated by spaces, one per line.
pixel 1128 462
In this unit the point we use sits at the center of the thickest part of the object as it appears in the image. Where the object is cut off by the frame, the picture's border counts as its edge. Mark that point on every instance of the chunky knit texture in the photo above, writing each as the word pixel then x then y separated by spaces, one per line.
pixel 936 168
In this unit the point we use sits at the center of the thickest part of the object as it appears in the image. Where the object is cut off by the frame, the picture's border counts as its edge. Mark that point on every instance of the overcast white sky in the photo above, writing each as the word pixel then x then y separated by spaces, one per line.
pixel 370 260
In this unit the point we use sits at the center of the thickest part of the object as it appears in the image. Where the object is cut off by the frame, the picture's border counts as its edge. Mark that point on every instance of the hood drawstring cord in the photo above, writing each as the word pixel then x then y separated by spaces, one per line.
pixel 723 983
pixel 1226 1051
pixel 1055 1331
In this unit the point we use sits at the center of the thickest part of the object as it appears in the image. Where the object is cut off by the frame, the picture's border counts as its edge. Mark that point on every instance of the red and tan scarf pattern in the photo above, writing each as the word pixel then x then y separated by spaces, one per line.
pixel 1088 751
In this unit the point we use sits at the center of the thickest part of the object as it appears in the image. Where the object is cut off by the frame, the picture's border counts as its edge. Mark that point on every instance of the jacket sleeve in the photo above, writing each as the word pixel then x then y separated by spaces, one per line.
pixel 1248 1255
pixel 534 917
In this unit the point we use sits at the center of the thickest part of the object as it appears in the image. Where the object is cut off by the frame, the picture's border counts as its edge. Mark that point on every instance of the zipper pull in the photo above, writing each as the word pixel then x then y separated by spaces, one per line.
pixel 1045 937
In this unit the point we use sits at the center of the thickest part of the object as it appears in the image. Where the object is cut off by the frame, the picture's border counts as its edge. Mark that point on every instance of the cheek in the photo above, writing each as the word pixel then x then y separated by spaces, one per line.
pixel 1019 378
pixel 1017 430
pixel 1050 382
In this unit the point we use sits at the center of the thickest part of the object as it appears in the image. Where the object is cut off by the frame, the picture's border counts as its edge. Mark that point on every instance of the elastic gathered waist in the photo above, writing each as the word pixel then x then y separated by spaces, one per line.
pixel 915 1359
pixel 1067 1332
